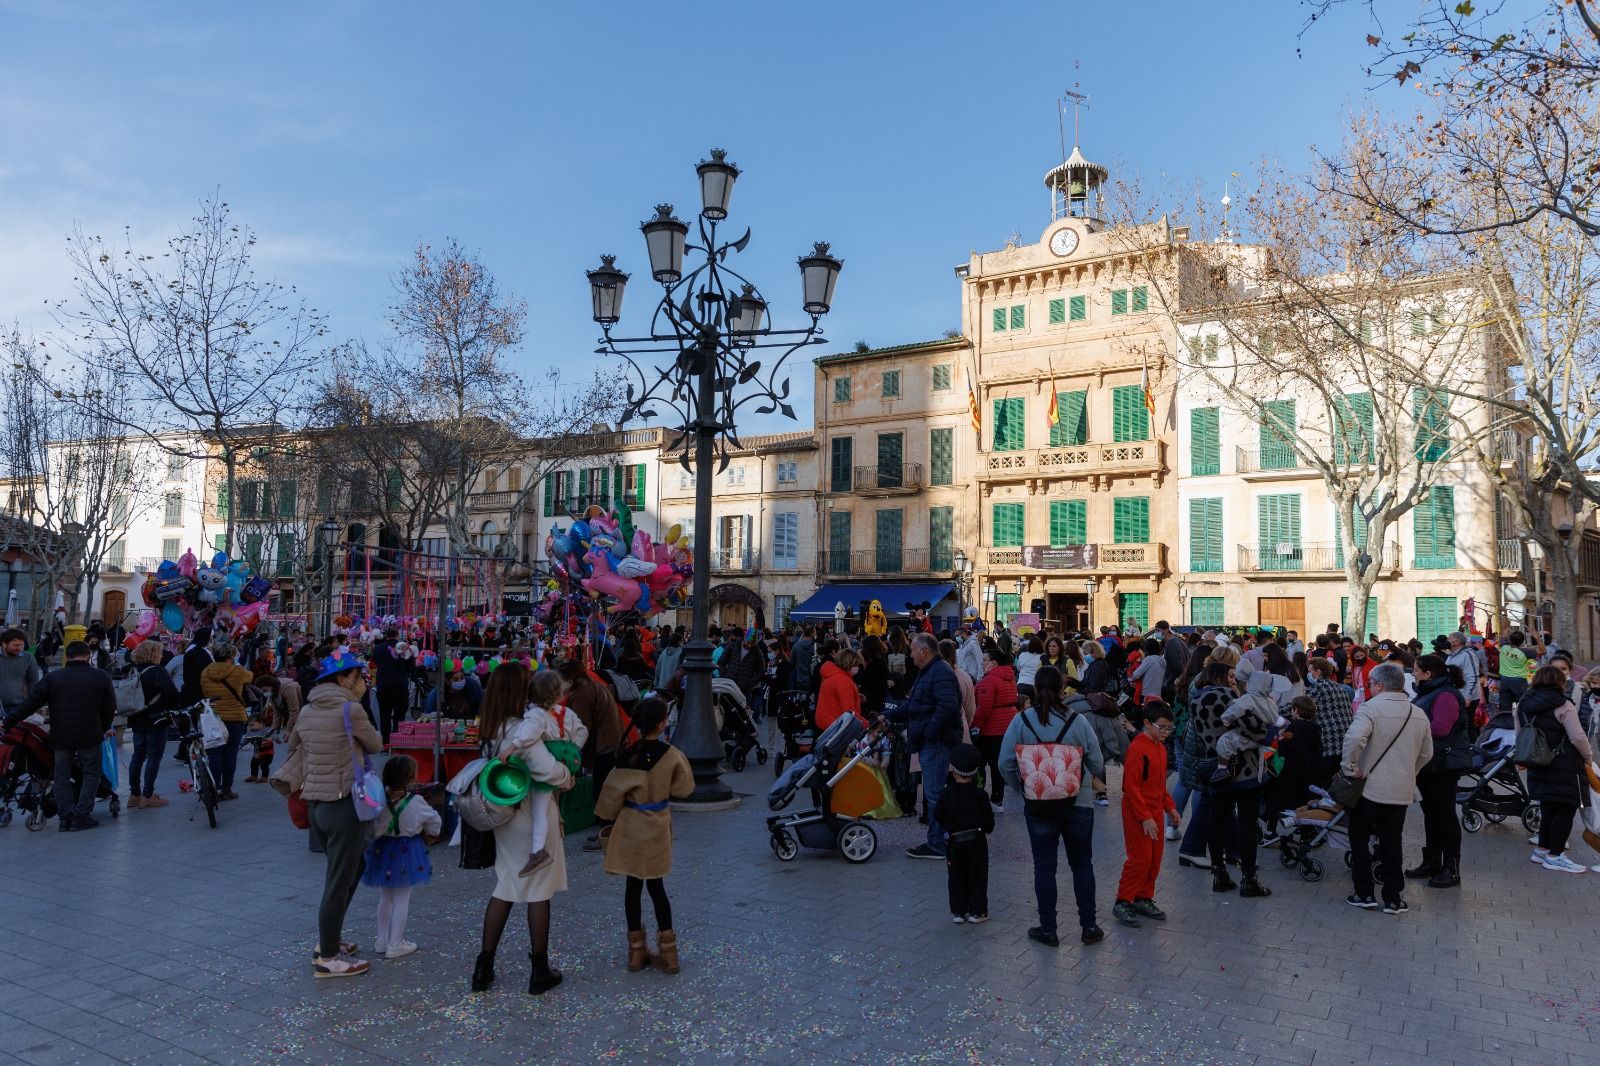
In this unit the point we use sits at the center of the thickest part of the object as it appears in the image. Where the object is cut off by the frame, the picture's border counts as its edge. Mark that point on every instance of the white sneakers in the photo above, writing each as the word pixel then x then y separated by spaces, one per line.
pixel 1173 833
pixel 1562 864
pixel 400 950
pixel 1539 856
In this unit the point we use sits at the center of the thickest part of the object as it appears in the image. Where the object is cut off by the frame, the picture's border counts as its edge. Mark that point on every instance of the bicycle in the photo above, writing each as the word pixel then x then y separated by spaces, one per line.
pixel 192 750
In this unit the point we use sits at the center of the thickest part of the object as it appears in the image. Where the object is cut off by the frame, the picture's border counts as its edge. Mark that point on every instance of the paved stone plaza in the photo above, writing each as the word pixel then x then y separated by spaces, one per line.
pixel 155 939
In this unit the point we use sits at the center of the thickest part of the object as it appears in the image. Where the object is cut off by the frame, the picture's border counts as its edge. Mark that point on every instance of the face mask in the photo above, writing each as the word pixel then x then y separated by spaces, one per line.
pixel 459 685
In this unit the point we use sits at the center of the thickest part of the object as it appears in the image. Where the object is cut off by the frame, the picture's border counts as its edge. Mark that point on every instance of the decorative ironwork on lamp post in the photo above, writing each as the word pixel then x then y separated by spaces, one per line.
pixel 712 321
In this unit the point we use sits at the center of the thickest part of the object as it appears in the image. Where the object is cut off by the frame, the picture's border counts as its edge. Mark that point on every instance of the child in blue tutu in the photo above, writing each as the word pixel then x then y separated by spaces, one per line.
pixel 397 859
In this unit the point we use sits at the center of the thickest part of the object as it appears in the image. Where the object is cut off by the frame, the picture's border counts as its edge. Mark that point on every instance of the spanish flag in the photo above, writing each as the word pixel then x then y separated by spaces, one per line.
pixel 1144 388
pixel 972 408
pixel 1052 413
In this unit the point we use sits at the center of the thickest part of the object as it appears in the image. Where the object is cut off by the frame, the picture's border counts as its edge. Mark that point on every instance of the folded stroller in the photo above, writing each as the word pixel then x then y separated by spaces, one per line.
pixel 1493 790
pixel 842 790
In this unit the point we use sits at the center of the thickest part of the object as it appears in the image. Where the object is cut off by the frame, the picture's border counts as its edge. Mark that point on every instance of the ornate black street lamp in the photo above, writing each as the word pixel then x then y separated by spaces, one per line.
pixel 712 321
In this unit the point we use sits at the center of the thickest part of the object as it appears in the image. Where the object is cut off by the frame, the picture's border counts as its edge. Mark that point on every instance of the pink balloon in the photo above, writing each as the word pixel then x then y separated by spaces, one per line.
pixel 187 564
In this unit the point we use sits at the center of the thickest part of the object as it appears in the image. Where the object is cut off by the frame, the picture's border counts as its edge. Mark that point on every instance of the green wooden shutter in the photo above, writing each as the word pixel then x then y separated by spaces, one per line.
pixel 891 468
pixel 1205 441
pixel 549 495
pixel 1068 522
pixel 222 500
pixel 941 378
pixel 1205 536
pixel 1277 448
pixel 1436 616
pixel 1141 298
pixel 1130 419
pixel 1135 605
pixel 838 542
pixel 248 500
pixel 999 319
pixel 1206 612
pixel 1007 604
pixel 1130 520
pixel 1353 441
pixel 1072 414
pixel 324 494
pixel 1006 525
pixel 1430 409
pixel 393 488
pixel 638 486
pixel 287 491
pixel 1119 301
pixel 1018 316
pixel 1058 312
pixel 1280 532
pixel 890 537
pixel 941 538
pixel 1434 527
pixel 1009 427
pixel 1078 308
pixel 941 457
pixel 840 459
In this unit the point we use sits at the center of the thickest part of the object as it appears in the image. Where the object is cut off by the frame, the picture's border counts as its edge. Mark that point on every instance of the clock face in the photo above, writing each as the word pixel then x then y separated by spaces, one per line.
pixel 1064 241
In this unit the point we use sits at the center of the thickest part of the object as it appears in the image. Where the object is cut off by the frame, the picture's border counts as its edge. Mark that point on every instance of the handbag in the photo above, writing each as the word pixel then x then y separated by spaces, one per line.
pixel 1532 748
pixel 476 811
pixel 1347 791
pixel 477 847
pixel 299 810
pixel 366 791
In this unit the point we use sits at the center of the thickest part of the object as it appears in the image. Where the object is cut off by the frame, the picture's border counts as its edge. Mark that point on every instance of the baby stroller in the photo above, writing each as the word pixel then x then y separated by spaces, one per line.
pixel 797 726
pixel 736 728
pixel 1493 790
pixel 1307 828
pixel 27 772
pixel 842 789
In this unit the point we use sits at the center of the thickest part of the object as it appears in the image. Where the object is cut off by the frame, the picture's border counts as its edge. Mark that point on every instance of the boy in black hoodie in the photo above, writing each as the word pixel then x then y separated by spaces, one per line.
pixel 964 811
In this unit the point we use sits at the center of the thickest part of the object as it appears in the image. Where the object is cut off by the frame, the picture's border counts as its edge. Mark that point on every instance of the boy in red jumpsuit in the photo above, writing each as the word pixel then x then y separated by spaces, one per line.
pixel 1145 801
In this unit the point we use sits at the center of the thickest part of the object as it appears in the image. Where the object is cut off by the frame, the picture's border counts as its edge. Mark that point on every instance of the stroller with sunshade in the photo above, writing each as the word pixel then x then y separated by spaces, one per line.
pixel 842 789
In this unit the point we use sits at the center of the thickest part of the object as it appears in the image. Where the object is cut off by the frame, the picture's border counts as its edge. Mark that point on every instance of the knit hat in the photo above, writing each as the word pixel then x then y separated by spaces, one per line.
pixel 338 663
pixel 965 760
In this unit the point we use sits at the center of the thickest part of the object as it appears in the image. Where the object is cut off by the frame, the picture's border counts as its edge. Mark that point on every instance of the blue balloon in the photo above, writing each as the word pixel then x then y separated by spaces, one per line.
pixel 172 617
pixel 220 560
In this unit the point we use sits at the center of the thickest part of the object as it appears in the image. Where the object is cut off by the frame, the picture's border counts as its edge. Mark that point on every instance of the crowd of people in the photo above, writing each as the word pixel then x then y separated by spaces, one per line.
pixel 1216 732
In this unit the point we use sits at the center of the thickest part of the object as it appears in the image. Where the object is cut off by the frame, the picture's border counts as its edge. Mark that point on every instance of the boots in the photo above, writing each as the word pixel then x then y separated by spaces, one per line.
pixel 1250 888
pixel 483 973
pixel 1448 875
pixel 638 951
pixel 667 951
pixel 544 978
pixel 1220 881
pixel 1428 867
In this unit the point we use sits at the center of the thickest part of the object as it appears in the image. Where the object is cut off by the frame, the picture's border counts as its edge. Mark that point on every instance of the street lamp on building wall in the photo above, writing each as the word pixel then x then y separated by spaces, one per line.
pixel 963 576
pixel 710 321
pixel 329 531
pixel 1089 587
pixel 989 593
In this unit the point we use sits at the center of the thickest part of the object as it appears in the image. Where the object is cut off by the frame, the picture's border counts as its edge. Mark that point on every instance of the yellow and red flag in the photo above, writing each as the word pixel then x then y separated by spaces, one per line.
pixel 972 408
pixel 1052 413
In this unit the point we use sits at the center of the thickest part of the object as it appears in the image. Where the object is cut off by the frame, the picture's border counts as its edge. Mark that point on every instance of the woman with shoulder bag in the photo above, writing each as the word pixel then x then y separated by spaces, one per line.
pixel 1439 697
pixel 331 734
pixel 1560 786
pixel 150 725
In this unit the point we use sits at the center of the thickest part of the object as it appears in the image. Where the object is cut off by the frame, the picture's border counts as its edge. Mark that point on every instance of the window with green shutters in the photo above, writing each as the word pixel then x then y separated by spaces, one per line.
pixel 1013 317
pixel 1006 525
pixel 1069 523
pixel 1372 615
pixel 252 550
pixel 941 378
pixel 841 454
pixel 1277 446
pixel 1058 312
pixel 1436 616
pixel 889 538
pixel 1141 299
pixel 891 456
pixel 284 567
pixel 838 542
pixel 1433 522
pixel 1077 309
pixel 638 485
pixel 1007 604
pixel 1430 408
pixel 841 390
pixel 393 489
pixel 1205 536
pixel 1205 441
pixel 1352 442
pixel 1019 316
pixel 550 495
pixel 1009 427
pixel 891 384
pixel 999 319
pixel 219 542
pixel 941 538
pixel 941 457
pixel 1072 413
pixel 1130 419
pixel 1206 612
pixel 1119 301
pixel 1135 606
pixel 286 498
pixel 1130 520
pixel 249 498
pixel 1280 532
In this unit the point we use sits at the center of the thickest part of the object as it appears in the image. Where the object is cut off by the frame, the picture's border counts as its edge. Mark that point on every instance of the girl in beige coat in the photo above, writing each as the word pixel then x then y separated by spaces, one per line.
pixel 638 795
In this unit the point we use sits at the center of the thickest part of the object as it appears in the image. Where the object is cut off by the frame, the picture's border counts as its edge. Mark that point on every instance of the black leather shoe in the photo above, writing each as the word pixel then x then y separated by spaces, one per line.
pixel 1448 875
pixel 1250 888
pixel 1424 869
pixel 483 973
pixel 1093 935
pixel 1044 936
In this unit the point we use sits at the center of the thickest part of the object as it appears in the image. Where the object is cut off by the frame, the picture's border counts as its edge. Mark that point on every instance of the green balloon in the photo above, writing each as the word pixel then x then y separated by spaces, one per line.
pixel 469 664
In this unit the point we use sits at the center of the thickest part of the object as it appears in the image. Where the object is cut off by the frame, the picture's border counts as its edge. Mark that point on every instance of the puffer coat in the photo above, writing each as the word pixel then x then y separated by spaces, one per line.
pixel 329 770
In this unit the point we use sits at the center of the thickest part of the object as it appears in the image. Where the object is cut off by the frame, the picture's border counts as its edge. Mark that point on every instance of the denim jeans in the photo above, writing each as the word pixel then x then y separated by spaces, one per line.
pixel 225 757
pixel 1181 792
pixel 76 805
pixel 1076 829
pixel 1194 835
pixel 148 747
pixel 935 759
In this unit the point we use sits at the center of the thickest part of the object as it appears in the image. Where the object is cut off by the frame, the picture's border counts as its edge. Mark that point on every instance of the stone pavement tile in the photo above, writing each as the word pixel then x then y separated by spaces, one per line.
pixel 1272 1051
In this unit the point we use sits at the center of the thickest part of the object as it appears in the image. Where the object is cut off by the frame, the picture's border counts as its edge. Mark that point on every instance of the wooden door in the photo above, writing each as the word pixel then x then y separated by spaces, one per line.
pixel 113 606
pixel 1286 611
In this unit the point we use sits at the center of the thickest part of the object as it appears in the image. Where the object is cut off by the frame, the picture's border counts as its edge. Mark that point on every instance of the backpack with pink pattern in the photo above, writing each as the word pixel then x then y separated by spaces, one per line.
pixel 1053 770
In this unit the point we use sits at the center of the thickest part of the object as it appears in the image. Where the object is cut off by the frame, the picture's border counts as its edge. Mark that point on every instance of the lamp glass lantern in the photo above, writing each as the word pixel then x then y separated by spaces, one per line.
pixel 988 592
pixel 746 313
pixel 664 238
pixel 819 273
pixel 606 284
pixel 1022 587
pixel 961 561
pixel 1089 585
pixel 716 184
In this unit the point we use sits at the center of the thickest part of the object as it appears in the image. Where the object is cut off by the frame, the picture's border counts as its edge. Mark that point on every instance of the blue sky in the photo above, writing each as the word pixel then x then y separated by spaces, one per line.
pixel 539 135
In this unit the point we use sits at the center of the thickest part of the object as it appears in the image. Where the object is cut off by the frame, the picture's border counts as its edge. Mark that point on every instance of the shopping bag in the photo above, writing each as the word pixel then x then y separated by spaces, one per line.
pixel 108 763
pixel 213 734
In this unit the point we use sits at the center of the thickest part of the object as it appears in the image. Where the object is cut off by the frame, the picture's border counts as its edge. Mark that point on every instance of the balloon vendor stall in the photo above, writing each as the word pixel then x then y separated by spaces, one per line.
pixel 185 594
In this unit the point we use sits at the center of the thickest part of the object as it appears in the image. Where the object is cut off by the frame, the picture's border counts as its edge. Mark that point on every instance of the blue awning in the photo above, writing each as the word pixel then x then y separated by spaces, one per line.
pixel 893 597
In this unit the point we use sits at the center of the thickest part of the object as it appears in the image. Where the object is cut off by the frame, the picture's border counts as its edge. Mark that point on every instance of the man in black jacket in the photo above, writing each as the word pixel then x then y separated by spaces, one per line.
pixel 932 714
pixel 195 660
pixel 82 703
pixel 394 681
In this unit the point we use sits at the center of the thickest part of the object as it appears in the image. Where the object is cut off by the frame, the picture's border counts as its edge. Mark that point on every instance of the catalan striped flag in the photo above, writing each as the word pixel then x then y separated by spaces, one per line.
pixel 1144 389
pixel 1052 413
pixel 972 408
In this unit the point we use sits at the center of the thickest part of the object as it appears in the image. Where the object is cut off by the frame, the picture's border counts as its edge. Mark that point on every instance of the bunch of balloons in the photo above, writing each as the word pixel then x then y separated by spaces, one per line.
pixel 601 558
pixel 183 595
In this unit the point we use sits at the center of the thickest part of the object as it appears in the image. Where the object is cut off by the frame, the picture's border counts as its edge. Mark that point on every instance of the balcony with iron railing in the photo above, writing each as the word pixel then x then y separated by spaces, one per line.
pixel 886 480
pixel 736 561
pixel 1292 556
pixel 870 561
pixel 1264 464
pixel 1074 460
